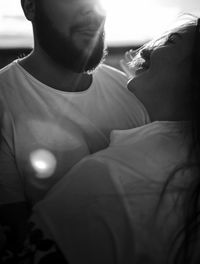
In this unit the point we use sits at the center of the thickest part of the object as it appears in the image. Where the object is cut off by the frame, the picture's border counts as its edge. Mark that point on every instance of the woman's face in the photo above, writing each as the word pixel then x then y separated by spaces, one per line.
pixel 164 68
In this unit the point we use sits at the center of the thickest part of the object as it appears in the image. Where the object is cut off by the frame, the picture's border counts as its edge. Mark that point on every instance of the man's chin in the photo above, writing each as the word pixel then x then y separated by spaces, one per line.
pixel 95 60
pixel 77 59
pixel 89 65
pixel 91 58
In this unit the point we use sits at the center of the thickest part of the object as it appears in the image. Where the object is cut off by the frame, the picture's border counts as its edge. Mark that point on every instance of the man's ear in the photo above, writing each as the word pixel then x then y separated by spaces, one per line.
pixel 29 8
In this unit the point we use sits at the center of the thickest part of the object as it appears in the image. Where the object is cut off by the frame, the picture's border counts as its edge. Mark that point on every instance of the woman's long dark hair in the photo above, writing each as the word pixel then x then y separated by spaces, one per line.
pixel 191 202
pixel 184 249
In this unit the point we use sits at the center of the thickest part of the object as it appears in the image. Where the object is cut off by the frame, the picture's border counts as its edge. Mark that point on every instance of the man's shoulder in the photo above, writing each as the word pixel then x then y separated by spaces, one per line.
pixel 8 79
pixel 5 71
pixel 108 71
pixel 110 79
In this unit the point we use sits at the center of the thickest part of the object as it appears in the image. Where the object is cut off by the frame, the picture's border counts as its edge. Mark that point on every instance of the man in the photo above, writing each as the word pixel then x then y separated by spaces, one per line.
pixel 57 109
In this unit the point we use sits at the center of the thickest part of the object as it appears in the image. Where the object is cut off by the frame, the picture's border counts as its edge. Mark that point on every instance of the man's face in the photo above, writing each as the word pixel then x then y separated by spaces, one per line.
pixel 71 32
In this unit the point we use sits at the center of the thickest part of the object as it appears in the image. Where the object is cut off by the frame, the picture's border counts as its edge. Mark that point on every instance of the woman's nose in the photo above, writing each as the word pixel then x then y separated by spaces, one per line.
pixel 145 53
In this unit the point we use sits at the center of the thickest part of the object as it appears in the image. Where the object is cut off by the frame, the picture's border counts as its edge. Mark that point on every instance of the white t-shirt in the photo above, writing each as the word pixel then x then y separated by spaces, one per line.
pixel 103 210
pixel 46 131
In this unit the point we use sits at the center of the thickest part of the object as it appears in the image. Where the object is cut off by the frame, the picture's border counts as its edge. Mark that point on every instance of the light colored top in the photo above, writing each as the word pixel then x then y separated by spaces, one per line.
pixel 46 131
pixel 103 210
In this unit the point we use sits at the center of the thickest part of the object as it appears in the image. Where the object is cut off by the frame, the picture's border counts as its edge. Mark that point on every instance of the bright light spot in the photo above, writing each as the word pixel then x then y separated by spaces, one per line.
pixel 99 8
pixel 15 30
pixel 131 21
pixel 128 21
pixel 41 165
pixel 43 162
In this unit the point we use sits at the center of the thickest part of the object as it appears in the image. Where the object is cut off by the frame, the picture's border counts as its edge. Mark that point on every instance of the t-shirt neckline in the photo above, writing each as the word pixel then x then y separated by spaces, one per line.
pixel 49 88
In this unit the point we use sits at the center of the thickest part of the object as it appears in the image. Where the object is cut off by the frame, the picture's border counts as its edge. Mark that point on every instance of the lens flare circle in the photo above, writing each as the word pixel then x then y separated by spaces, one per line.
pixel 43 162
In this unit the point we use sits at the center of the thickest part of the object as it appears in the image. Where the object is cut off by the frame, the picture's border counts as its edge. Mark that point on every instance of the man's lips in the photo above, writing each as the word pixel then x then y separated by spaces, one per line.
pixel 89 30
pixel 92 24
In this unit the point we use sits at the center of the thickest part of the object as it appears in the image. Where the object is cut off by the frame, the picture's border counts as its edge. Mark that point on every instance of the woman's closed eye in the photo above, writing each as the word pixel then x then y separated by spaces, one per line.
pixel 172 38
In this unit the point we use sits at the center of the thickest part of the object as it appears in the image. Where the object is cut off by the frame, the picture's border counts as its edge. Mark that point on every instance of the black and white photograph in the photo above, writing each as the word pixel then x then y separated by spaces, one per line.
pixel 99 132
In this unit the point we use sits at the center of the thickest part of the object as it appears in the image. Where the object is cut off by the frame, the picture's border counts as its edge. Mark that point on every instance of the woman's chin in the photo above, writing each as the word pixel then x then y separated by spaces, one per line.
pixel 140 71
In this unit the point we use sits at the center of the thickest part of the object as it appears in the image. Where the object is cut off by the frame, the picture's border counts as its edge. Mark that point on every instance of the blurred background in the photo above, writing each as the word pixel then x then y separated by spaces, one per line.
pixel 129 24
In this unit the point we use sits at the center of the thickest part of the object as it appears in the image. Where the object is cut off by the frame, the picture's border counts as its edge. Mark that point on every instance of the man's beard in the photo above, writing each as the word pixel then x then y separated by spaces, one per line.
pixel 63 50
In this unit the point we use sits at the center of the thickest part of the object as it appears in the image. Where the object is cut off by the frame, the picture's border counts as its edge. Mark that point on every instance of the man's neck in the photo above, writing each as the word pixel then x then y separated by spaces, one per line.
pixel 46 71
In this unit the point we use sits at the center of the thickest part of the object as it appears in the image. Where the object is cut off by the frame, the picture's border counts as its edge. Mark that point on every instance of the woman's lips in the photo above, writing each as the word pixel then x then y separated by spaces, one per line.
pixel 144 66
pixel 136 62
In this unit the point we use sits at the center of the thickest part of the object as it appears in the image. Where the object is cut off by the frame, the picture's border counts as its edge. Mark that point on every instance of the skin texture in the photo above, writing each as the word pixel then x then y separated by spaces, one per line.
pixel 166 97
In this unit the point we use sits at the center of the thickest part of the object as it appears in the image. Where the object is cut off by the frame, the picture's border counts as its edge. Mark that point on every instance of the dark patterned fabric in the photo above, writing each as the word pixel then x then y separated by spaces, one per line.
pixel 36 250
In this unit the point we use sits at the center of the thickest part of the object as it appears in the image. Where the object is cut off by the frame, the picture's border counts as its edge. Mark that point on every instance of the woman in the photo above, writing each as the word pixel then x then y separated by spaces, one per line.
pixel 138 200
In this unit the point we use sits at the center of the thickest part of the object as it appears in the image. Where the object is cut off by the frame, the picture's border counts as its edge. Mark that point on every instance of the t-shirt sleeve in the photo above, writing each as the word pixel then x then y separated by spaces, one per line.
pixel 11 190
pixel 85 216
pixel 10 184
